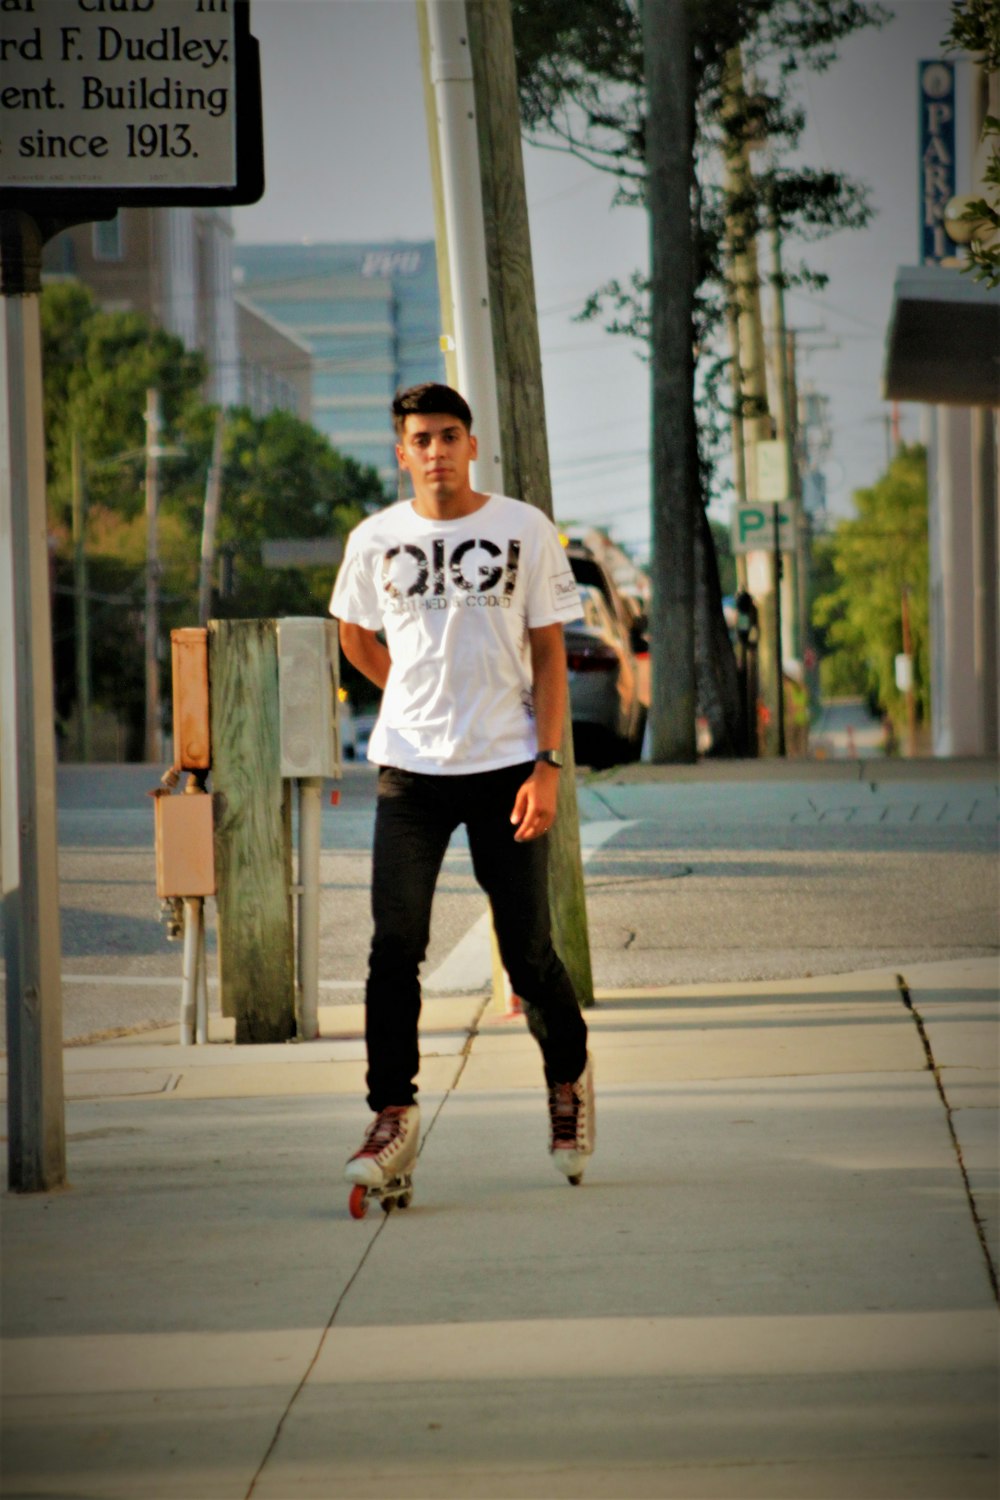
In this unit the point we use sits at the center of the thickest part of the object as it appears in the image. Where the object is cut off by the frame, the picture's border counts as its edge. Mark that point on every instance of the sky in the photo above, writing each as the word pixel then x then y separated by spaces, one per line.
pixel 346 159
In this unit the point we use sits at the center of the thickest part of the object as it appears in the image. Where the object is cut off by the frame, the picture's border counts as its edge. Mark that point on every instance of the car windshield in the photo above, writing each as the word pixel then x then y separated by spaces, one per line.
pixel 587 571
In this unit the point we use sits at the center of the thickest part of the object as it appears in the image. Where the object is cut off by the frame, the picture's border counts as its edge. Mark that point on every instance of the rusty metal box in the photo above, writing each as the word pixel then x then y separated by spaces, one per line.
pixel 189 660
pixel 185 852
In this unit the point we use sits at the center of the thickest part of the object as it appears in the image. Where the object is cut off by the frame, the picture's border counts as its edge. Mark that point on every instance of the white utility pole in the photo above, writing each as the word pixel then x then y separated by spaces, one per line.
pixel 471 318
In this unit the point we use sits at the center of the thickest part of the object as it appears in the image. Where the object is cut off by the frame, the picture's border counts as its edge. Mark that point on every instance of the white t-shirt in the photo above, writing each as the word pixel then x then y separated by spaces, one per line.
pixel 456 600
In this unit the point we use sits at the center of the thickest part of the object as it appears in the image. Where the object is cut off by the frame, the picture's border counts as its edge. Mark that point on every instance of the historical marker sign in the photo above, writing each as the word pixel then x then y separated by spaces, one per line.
pixel 132 101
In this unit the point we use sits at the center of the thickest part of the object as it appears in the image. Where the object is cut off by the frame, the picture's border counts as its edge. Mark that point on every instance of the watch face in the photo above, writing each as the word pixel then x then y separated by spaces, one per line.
pixel 550 757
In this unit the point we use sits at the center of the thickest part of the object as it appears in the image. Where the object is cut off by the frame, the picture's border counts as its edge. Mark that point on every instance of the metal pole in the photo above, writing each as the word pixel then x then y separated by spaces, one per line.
pixel 778 659
pixel 82 610
pixel 201 999
pixel 451 74
pixel 153 749
pixel 310 819
pixel 911 701
pixel 35 1112
pixel 189 971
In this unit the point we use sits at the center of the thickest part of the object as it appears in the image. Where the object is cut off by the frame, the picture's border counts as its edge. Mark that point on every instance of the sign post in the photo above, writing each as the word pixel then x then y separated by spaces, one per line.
pixel 937 158
pixel 753 526
pixel 156 103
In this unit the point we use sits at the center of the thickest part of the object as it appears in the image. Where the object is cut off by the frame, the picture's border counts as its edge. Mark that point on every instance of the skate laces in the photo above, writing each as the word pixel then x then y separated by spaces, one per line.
pixel 385 1130
pixel 564 1112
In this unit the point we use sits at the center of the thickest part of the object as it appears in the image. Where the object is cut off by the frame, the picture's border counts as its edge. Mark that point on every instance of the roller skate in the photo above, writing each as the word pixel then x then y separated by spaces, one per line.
pixel 382 1169
pixel 571 1112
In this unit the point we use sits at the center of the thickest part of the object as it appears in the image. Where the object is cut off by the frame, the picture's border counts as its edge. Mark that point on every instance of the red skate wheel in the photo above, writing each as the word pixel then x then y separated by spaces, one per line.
pixel 358 1202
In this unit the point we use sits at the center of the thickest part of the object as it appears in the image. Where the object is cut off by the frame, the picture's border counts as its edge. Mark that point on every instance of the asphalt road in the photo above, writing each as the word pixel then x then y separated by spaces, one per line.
pixel 695 879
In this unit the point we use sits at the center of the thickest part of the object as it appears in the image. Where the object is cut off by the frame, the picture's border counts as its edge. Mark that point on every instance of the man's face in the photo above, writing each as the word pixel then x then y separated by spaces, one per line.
pixel 437 450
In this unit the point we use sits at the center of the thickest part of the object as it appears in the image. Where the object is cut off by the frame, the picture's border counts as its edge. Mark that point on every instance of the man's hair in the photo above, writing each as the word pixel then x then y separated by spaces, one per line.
pixel 429 399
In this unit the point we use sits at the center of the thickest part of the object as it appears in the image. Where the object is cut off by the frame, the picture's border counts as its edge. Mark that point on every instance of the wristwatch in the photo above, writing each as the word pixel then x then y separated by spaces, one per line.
pixel 550 758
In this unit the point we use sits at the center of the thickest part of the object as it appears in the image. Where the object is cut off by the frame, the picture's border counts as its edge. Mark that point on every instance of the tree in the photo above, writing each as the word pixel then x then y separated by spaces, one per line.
pixel 722 544
pixel 975 28
pixel 874 560
pixel 97 368
pixel 582 84
pixel 281 478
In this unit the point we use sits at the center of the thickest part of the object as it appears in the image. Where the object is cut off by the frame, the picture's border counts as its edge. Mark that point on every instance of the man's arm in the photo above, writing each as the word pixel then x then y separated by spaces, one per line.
pixel 535 804
pixel 365 651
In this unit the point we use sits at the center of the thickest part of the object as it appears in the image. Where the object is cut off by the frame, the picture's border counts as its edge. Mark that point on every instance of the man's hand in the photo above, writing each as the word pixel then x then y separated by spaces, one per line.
pixel 535 804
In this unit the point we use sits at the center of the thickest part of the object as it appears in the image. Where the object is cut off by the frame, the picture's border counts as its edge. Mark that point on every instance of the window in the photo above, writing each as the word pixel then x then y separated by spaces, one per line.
pixel 108 239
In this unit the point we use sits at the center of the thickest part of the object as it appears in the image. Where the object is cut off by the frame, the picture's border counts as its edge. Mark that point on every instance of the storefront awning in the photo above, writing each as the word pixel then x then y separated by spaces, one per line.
pixel 943 344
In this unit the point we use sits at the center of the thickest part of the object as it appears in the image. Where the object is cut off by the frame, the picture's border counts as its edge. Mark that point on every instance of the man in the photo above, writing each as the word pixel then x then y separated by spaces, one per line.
pixel 470 590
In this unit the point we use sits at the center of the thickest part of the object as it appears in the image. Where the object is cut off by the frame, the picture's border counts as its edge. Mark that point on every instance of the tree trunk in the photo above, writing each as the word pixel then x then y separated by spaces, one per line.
pixel 715 663
pixel 670 178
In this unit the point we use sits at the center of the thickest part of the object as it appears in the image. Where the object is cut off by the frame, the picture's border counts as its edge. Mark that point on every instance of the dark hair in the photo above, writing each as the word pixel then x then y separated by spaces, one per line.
pixel 429 399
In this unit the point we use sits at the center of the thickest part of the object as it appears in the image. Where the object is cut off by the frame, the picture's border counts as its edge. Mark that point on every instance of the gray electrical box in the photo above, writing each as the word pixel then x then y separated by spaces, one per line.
pixel 308 697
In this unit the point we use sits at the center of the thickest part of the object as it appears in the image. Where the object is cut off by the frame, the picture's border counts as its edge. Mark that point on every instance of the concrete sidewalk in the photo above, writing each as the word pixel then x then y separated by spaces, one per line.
pixel 777 1280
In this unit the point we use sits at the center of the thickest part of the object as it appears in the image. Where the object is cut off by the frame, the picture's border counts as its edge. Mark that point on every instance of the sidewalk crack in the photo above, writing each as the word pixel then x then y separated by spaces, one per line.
pixel 935 1071
pixel 618 817
pixel 463 1060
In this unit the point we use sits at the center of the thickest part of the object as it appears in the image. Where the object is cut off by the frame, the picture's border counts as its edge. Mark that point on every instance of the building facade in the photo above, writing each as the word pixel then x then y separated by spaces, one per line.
pixel 275 370
pixel 174 265
pixel 943 349
pixel 369 313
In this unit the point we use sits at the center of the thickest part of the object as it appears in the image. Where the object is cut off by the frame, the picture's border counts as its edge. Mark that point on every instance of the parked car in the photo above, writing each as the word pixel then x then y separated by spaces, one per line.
pixel 355 730
pixel 606 700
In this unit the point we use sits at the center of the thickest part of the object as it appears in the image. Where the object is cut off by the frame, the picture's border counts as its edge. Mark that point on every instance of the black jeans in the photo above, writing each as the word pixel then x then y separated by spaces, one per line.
pixel 415 818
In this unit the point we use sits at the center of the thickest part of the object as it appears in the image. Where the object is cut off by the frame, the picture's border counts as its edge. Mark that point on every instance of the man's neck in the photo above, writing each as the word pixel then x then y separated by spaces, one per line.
pixel 448 508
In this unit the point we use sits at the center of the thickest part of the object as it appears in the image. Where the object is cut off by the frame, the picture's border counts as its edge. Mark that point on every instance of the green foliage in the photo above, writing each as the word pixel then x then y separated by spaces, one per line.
pixel 581 82
pixel 97 367
pixel 281 479
pixel 975 28
pixel 863 569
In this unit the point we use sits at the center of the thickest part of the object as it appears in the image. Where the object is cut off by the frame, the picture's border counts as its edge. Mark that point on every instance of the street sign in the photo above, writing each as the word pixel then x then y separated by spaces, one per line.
pixel 305 552
pixel 937 157
pixel 753 528
pixel 142 102
pixel 771 479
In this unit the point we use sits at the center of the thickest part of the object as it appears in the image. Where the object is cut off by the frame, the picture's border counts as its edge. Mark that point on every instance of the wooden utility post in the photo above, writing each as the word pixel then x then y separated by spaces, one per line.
pixel 521 402
pixel 751 391
pixel 785 410
pixel 253 844
pixel 669 174
pixel 803 526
